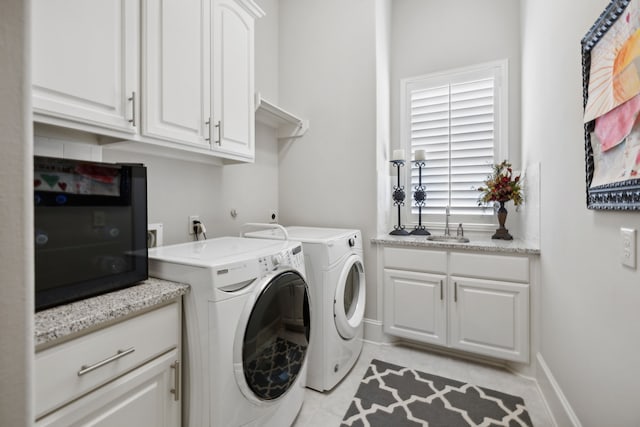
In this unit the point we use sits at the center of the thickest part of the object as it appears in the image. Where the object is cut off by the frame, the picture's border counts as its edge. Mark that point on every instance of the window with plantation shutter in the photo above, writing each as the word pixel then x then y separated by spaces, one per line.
pixel 458 118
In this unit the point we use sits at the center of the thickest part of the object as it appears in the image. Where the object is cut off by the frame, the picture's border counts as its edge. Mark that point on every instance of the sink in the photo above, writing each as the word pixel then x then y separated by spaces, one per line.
pixel 451 239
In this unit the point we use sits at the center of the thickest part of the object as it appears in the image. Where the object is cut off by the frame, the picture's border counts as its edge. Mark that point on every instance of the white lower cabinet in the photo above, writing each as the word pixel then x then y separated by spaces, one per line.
pixel 490 317
pixel 127 374
pixel 415 306
pixel 468 301
pixel 137 399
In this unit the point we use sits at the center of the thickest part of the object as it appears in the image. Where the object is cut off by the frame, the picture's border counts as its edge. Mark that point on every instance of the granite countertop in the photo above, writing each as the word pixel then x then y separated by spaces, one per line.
pixel 482 244
pixel 70 319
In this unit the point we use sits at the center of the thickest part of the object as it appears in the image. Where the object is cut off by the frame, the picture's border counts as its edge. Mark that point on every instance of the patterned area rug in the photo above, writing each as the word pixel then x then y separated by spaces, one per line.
pixel 390 395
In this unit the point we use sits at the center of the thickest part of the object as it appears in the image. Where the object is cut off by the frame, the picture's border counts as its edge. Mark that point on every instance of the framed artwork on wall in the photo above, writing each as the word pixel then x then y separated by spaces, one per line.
pixel 611 102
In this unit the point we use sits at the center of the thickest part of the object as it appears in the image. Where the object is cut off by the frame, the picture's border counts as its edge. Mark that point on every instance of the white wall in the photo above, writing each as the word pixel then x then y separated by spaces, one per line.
pixel 327 74
pixel 267 50
pixel 432 35
pixel 590 315
pixel 331 73
pixel 383 114
pixel 475 32
pixel 177 189
pixel 16 217
pixel 252 190
pixel 383 136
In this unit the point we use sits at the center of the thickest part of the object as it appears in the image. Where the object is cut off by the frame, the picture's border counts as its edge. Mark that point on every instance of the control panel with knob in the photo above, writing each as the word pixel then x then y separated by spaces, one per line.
pixel 276 260
pixel 290 257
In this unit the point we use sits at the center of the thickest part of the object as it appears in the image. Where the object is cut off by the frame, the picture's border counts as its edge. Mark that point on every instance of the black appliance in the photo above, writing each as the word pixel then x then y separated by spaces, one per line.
pixel 90 228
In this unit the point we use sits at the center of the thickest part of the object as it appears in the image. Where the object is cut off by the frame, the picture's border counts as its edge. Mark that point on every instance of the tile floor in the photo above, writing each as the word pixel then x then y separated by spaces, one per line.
pixel 327 409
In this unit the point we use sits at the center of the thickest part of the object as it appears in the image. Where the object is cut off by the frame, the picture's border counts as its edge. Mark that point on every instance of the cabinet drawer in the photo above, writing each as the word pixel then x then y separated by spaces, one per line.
pixel 415 260
pixel 58 370
pixel 499 267
pixel 140 398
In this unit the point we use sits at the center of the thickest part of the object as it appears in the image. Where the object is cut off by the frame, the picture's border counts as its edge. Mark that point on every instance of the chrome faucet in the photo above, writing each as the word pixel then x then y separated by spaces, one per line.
pixel 447 232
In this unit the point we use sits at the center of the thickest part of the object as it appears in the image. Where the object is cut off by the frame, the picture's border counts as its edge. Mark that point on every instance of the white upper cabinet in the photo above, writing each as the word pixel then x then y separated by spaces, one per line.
pixel 156 75
pixel 175 66
pixel 233 110
pixel 85 57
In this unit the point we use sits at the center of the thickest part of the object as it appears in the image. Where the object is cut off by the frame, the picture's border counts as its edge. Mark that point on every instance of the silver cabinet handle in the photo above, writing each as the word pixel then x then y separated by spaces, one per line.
pixel 441 291
pixel 132 120
pixel 176 381
pixel 455 291
pixel 208 123
pixel 84 369
pixel 219 126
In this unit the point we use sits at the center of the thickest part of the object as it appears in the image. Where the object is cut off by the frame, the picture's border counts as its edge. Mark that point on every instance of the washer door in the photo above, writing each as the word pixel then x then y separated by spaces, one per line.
pixel 348 306
pixel 276 338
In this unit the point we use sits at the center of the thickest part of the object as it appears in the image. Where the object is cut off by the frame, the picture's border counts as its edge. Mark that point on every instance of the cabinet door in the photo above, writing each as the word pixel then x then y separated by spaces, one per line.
pixel 490 317
pixel 175 66
pixel 85 62
pixel 144 397
pixel 415 306
pixel 233 113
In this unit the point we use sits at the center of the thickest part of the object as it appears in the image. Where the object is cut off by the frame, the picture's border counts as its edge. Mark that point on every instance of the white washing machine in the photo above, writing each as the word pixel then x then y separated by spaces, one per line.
pixel 335 273
pixel 247 326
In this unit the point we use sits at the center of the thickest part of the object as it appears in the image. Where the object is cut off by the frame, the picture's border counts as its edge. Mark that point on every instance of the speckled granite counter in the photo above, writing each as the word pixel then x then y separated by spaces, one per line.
pixel 483 244
pixel 69 319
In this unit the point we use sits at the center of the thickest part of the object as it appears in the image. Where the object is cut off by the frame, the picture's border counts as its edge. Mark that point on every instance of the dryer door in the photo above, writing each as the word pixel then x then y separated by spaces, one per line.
pixel 349 300
pixel 276 338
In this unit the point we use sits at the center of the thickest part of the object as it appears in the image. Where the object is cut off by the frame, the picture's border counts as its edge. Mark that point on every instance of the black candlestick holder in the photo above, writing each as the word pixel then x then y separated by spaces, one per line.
pixel 420 197
pixel 398 196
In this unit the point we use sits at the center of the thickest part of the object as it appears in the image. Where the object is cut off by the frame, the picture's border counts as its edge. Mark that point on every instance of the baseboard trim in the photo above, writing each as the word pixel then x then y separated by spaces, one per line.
pixel 557 404
pixel 373 332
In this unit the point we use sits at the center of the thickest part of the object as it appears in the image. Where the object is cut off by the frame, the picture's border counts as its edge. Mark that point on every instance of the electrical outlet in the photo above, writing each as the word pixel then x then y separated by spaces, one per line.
pixel 628 253
pixel 191 219
pixel 154 235
pixel 273 215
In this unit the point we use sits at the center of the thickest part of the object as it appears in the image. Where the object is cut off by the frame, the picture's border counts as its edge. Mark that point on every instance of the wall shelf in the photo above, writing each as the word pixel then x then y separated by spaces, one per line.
pixel 289 126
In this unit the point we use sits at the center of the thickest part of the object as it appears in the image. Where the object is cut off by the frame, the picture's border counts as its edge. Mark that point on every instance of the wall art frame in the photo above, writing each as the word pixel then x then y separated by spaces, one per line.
pixel 622 193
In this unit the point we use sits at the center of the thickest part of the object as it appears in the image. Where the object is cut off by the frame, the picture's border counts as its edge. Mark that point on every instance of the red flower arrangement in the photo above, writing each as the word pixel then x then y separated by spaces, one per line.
pixel 501 186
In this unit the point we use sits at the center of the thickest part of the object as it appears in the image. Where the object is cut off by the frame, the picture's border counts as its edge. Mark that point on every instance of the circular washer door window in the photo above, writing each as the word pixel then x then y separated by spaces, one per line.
pixel 277 336
pixel 348 308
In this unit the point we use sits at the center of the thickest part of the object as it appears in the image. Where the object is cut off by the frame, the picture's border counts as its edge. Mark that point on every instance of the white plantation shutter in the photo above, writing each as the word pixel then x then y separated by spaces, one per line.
pixel 455 118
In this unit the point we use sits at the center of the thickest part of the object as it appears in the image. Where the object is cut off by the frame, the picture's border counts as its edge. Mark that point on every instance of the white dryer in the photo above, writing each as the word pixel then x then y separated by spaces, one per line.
pixel 335 273
pixel 247 326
